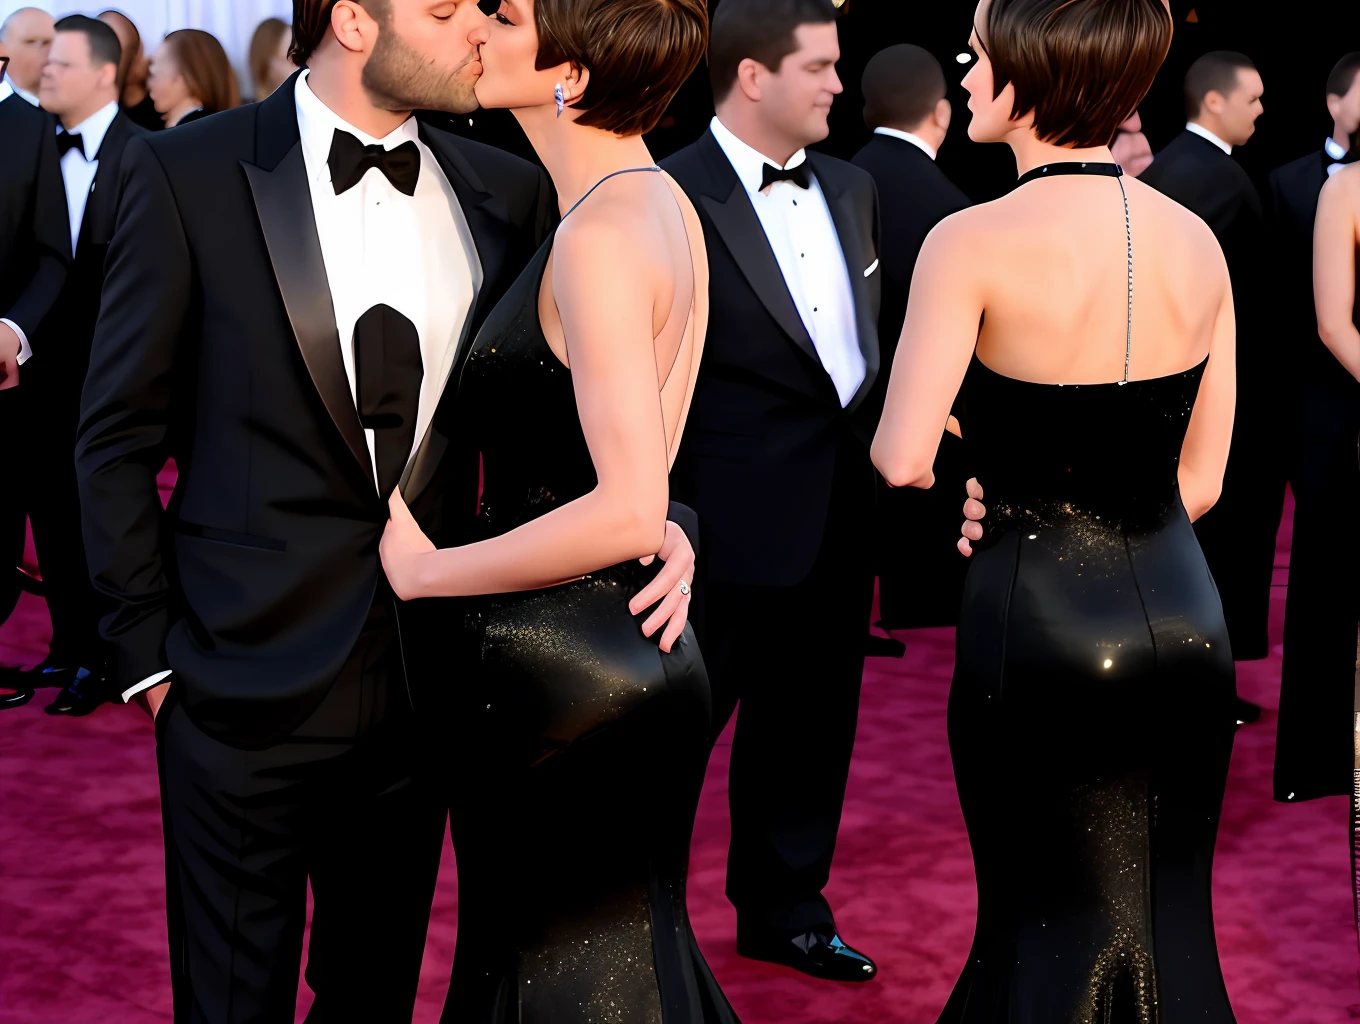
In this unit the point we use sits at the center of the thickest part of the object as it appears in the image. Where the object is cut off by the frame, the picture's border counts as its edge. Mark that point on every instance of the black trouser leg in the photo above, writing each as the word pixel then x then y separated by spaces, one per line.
pixel 338 802
pixel 13 512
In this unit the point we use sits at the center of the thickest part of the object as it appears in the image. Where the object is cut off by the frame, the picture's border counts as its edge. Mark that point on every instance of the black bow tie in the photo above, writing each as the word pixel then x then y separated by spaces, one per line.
pixel 66 141
pixel 350 160
pixel 798 175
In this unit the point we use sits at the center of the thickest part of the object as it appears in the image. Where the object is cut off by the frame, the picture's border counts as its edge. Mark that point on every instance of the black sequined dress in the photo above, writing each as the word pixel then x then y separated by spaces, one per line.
pixel 1090 717
pixel 579 747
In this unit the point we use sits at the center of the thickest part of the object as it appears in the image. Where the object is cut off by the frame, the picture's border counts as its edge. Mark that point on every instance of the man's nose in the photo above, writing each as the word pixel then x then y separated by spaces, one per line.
pixel 481 33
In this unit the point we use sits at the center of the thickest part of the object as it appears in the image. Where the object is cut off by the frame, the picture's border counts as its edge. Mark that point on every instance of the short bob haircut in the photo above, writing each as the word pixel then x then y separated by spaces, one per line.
pixel 1081 66
pixel 638 52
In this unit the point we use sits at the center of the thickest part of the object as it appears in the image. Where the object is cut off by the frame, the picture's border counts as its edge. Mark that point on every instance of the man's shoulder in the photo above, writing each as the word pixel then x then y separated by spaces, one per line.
pixel 228 137
pixel 494 166
pixel 687 164
pixel 1298 172
pixel 845 175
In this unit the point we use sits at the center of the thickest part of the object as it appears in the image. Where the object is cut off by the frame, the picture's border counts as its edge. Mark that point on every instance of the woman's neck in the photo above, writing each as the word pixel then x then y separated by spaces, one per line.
pixel 577 158
pixel 1031 153
pixel 178 111
pixel 133 94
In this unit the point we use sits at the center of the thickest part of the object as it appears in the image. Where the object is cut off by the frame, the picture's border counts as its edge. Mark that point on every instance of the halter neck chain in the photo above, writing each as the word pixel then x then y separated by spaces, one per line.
pixel 1116 172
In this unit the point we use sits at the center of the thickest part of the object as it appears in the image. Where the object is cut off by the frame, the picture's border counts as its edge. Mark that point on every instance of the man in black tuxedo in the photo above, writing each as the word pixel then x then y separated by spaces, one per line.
pixel 34 256
pixel 920 572
pixel 79 86
pixel 1223 99
pixel 1313 754
pixel 289 289
pixel 775 460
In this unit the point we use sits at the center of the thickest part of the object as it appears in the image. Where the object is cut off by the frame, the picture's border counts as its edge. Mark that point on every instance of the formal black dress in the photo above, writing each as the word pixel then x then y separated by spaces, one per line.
pixel 580 747
pixel 1089 719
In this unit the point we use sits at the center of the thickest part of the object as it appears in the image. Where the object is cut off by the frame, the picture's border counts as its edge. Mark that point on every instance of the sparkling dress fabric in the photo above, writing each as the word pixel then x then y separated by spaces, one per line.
pixel 579 749
pixel 1090 718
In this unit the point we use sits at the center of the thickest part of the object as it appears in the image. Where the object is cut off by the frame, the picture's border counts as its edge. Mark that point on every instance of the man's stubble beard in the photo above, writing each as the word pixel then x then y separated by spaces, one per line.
pixel 397 77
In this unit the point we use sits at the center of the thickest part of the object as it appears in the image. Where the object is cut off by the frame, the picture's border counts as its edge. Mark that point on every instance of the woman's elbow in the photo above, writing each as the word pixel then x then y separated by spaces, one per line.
pixel 900 470
pixel 640 528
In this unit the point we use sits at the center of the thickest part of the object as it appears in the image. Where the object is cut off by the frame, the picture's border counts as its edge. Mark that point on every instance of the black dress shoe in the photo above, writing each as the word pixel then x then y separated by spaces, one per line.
pixel 14 698
pixel 1247 711
pixel 82 695
pixel 819 953
pixel 884 647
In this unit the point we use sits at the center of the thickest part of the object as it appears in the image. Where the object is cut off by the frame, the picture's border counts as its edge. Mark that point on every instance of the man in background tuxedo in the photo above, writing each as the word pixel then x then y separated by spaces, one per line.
pixel 775 460
pixel 920 572
pixel 1313 756
pixel 1196 169
pixel 79 86
pixel 27 33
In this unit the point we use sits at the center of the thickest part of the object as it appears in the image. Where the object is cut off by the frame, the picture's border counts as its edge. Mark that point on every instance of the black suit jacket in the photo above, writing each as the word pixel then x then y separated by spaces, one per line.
pixel 766 431
pixel 913 196
pixel 217 345
pixel 35 244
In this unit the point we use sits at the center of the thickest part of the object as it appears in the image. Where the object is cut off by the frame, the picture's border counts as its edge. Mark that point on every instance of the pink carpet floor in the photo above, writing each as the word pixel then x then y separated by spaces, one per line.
pixel 82 935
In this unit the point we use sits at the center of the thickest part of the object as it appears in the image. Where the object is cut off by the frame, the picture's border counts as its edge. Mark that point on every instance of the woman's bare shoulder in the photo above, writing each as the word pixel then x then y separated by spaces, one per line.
pixel 1344 187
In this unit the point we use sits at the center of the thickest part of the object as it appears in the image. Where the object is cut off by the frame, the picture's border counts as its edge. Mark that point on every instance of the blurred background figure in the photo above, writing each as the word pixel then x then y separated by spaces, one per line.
pixel 1313 752
pixel 133 71
pixel 270 65
pixel 28 35
pixel 920 574
pixel 191 78
pixel 1131 148
pixel 1223 93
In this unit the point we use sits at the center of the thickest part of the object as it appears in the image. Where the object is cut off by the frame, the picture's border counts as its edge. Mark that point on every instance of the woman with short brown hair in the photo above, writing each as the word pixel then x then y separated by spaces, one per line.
pixel 585 739
pixel 191 77
pixel 1085 323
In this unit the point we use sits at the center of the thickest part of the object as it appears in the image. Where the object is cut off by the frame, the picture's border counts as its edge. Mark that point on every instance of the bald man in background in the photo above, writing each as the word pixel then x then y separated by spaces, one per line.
pixel 28 36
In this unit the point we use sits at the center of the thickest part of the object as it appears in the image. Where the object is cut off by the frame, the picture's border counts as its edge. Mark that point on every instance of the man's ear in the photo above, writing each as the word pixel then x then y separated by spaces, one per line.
pixel 353 27
pixel 944 113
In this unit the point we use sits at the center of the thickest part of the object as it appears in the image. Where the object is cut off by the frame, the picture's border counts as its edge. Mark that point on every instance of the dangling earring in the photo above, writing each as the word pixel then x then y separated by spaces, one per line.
pixel 560 97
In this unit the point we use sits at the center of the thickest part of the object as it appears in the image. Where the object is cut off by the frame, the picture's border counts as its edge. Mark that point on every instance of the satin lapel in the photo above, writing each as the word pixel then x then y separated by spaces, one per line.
pixel 283 203
pixel 856 237
pixel 101 207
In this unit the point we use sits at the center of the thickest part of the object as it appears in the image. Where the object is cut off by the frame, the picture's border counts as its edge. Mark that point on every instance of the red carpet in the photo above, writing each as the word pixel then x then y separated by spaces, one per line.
pixel 83 937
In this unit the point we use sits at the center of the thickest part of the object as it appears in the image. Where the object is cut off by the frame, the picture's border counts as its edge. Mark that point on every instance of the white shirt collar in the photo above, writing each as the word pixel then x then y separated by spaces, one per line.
pixel 6 90
pixel 1204 133
pixel 93 129
pixel 1334 149
pixel 916 140
pixel 23 94
pixel 317 124
pixel 749 163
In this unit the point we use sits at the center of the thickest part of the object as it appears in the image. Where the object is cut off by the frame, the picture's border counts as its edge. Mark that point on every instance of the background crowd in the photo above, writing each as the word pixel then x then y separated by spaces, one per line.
pixel 1243 128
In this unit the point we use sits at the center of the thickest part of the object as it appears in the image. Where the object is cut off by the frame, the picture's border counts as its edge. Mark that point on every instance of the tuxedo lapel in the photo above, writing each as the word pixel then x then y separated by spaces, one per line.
pixel 855 232
pixel 283 203
pixel 729 207
pixel 101 208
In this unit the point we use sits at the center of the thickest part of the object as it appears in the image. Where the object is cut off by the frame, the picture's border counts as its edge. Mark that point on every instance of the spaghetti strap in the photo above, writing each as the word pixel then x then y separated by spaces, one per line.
pixel 615 174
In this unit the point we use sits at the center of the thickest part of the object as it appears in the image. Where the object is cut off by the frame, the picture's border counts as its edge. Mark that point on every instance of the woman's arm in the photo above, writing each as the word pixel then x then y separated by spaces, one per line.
pixel 605 282
pixel 938 339
pixel 1335 236
pixel 1204 454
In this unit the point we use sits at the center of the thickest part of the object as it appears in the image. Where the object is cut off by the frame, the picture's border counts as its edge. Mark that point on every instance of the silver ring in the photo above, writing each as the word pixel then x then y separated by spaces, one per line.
pixel 684 589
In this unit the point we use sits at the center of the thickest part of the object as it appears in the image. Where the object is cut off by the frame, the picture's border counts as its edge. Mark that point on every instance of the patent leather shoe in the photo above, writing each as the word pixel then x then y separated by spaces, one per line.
pixel 82 695
pixel 13 697
pixel 819 953
pixel 1247 711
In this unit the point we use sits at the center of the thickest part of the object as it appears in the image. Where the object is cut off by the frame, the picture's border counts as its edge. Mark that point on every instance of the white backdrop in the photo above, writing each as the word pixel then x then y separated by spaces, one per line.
pixel 232 21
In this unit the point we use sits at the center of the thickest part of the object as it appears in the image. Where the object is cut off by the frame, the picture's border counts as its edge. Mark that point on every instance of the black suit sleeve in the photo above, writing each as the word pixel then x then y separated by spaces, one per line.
pixel 51 230
pixel 126 414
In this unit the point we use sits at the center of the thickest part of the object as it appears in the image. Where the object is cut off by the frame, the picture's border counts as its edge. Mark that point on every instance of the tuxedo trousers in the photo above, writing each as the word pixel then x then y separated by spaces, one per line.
pixel 338 804
pixel 793 657
pixel 13 508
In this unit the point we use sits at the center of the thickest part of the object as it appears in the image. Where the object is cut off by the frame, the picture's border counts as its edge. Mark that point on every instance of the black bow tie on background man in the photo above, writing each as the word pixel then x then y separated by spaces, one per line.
pixel 350 160
pixel 798 175
pixel 387 373
pixel 66 141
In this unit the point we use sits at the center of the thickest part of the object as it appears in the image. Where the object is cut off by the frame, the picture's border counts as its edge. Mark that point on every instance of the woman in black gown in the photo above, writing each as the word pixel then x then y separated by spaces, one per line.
pixel 579 744
pixel 1086 323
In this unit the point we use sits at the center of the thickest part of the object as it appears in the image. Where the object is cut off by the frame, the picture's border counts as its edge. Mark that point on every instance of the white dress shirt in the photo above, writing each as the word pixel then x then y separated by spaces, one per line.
pixel 413 253
pixel 6 90
pixel 1204 133
pixel 916 140
pixel 1335 153
pixel 803 236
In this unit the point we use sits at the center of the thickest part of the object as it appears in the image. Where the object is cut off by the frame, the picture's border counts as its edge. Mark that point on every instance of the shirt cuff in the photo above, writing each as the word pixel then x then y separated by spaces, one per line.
pixel 25 352
pixel 145 684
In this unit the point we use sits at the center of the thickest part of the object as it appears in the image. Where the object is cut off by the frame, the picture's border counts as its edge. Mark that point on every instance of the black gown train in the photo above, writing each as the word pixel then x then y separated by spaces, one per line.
pixel 1090 718
pixel 577 748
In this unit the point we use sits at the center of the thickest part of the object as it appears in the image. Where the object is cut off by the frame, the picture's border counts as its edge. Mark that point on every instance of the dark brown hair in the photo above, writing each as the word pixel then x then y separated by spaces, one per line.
pixel 1216 72
pixel 104 45
pixel 206 71
pixel 902 86
pixel 763 30
pixel 1341 79
pixel 129 53
pixel 263 45
pixel 1080 66
pixel 312 18
pixel 638 52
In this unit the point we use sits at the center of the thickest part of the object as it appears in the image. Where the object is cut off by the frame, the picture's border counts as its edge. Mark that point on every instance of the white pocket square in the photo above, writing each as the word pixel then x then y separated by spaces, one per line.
pixel 871 268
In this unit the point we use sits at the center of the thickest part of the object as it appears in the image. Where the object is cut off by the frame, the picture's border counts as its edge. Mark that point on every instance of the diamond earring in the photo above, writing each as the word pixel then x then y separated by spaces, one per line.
pixel 560 97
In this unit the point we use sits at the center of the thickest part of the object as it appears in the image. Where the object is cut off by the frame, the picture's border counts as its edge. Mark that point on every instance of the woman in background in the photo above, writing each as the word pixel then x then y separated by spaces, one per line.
pixel 270 65
pixel 191 78
pixel 132 73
